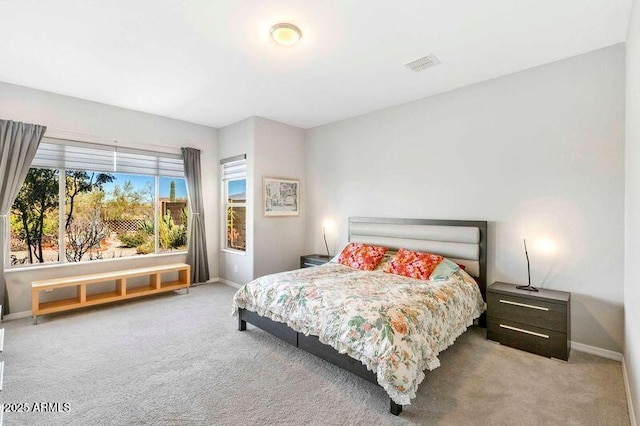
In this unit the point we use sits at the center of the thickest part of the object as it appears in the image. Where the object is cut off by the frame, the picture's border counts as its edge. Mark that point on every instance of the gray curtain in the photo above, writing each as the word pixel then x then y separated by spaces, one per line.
pixel 197 255
pixel 18 145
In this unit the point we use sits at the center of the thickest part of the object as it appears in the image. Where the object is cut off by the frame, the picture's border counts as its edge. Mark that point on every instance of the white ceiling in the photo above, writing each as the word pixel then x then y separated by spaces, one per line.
pixel 213 62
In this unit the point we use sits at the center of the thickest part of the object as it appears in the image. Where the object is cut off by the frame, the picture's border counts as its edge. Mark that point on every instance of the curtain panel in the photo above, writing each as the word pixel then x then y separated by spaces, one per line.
pixel 18 145
pixel 197 244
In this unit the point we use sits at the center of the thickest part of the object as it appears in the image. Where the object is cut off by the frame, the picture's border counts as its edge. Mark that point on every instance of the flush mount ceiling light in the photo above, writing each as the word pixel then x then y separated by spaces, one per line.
pixel 286 34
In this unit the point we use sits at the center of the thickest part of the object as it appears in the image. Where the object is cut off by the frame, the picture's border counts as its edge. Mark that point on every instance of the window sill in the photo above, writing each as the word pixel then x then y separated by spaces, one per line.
pixel 232 251
pixel 10 269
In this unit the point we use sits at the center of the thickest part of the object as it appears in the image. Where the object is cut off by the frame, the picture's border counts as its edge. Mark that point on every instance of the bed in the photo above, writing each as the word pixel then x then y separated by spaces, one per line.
pixel 382 327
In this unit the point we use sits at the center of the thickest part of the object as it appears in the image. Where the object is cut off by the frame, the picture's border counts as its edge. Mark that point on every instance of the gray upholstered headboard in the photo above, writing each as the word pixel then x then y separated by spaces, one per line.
pixel 463 241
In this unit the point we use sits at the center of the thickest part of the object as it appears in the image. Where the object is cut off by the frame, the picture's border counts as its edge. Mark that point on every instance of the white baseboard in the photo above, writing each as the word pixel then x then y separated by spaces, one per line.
pixel 17 315
pixel 627 389
pixel 209 281
pixel 229 283
pixel 604 353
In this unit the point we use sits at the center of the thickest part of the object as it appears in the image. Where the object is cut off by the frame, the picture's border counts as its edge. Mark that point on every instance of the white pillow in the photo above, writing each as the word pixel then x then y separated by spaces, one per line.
pixel 444 270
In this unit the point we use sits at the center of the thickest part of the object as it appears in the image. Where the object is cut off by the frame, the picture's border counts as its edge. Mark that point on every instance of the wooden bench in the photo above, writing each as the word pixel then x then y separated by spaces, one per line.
pixel 121 292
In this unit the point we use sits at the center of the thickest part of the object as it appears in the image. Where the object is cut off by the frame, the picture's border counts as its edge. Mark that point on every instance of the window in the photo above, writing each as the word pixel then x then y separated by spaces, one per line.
pixel 234 180
pixel 174 214
pixel 112 203
pixel 236 208
pixel 34 221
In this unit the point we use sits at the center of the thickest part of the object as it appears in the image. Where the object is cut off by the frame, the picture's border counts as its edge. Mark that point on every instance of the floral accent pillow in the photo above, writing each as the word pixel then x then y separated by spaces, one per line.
pixel 362 256
pixel 413 264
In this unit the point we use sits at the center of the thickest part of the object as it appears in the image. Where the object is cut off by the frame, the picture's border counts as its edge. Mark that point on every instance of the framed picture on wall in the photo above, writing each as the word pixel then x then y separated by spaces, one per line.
pixel 280 197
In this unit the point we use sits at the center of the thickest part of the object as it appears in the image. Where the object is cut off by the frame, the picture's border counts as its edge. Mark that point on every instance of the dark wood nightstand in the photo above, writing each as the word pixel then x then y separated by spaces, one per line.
pixel 310 260
pixel 537 322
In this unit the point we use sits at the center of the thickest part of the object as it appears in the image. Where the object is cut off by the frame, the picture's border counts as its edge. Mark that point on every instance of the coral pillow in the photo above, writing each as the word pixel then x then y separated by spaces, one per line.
pixel 362 256
pixel 413 264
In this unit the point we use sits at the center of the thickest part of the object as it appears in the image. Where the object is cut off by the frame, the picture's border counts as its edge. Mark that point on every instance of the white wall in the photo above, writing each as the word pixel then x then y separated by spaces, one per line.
pixel 279 241
pixel 94 121
pixel 238 139
pixel 274 244
pixel 538 154
pixel 632 210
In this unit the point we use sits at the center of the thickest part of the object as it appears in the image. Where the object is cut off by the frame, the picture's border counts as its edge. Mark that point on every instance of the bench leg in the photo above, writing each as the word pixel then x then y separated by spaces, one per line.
pixel 396 409
pixel 35 320
pixel 242 325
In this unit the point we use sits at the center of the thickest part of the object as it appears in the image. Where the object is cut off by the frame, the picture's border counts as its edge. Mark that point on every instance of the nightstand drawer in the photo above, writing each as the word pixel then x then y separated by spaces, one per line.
pixel 539 313
pixel 537 340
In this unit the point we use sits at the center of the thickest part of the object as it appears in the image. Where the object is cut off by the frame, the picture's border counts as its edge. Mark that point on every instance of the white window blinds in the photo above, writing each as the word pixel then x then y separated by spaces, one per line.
pixel 148 163
pixel 234 168
pixel 73 155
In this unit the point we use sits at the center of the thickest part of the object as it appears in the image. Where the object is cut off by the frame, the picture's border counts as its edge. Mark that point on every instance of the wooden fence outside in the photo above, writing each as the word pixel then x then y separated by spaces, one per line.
pixel 129 225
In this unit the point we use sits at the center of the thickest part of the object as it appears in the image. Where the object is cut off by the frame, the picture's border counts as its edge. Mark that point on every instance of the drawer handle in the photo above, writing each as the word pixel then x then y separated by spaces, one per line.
pixel 533 333
pixel 524 305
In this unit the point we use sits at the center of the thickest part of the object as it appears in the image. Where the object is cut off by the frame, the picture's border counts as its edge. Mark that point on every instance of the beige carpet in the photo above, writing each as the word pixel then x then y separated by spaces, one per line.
pixel 178 360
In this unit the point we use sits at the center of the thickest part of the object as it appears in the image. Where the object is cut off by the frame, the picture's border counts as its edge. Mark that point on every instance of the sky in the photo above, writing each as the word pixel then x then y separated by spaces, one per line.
pixel 139 182
pixel 236 187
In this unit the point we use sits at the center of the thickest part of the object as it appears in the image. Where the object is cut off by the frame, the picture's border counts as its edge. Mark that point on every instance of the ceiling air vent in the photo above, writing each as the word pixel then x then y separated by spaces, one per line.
pixel 423 63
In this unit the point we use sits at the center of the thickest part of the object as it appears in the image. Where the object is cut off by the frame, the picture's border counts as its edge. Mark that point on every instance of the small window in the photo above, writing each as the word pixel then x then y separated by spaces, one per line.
pixel 236 229
pixel 234 179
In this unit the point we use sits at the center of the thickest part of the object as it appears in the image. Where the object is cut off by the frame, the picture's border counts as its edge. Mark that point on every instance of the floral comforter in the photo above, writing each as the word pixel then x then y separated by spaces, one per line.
pixel 394 325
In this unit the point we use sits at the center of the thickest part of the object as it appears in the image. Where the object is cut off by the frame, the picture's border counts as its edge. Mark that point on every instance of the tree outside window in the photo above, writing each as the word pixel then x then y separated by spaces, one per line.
pixel 34 219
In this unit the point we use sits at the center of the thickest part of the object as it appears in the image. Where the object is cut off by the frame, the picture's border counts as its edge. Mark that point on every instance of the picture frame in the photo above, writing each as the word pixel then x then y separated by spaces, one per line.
pixel 280 197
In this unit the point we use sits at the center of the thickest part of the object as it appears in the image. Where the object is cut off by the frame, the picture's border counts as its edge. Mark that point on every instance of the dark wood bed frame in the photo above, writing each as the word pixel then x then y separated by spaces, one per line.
pixel 313 345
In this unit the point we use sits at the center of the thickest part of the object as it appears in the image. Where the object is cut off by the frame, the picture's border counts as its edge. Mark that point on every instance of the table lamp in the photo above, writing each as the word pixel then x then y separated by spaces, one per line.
pixel 527 287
